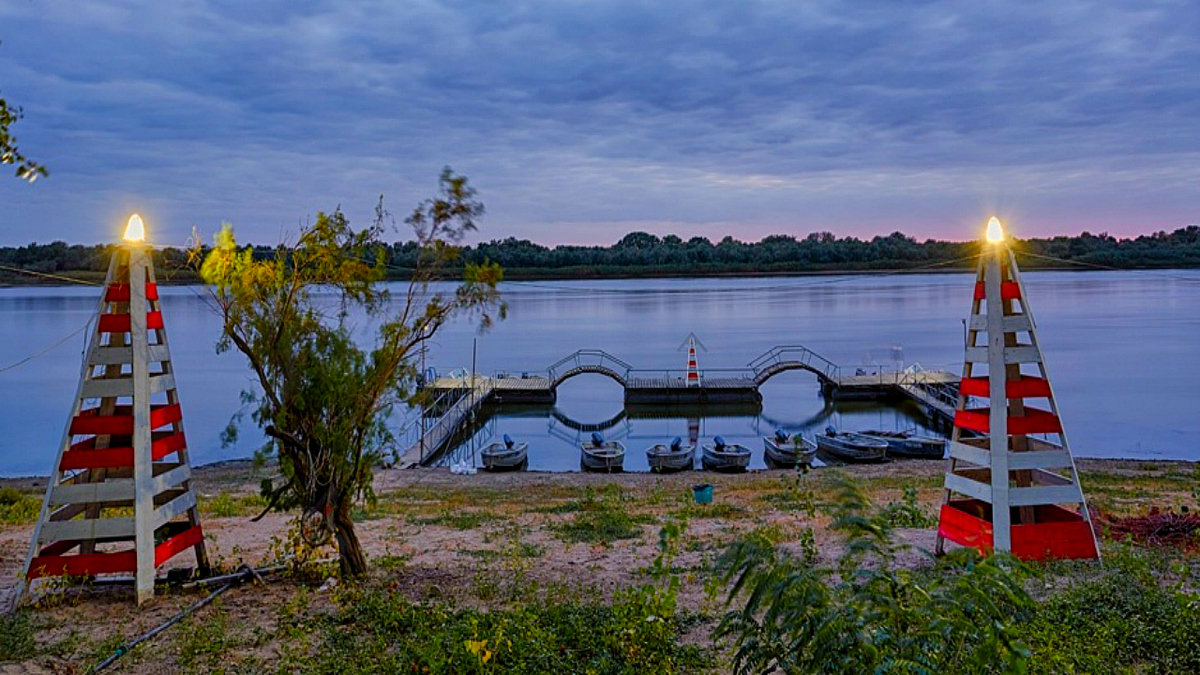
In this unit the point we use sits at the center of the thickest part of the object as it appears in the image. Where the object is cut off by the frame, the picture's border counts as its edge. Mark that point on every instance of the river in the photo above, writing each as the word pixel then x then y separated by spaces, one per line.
pixel 1121 348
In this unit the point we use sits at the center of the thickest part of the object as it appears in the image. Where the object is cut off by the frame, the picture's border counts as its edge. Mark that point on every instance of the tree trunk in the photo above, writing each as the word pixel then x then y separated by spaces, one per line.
pixel 351 558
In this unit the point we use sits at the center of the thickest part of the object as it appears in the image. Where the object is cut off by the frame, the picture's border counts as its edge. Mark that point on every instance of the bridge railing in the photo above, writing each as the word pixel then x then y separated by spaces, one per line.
pixel 796 354
pixel 593 358
pixel 681 374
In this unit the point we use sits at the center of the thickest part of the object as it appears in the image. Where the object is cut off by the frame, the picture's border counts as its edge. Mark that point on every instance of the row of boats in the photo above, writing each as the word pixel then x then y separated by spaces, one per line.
pixel 781 450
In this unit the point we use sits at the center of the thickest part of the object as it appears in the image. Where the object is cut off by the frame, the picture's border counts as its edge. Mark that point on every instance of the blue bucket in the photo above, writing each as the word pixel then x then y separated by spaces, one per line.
pixel 703 493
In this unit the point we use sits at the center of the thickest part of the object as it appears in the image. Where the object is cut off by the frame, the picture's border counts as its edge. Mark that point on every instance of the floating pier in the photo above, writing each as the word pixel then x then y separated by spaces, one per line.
pixel 935 391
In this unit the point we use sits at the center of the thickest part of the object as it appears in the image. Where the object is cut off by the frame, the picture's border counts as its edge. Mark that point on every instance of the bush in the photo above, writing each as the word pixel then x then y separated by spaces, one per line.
pixel 601 518
pixel 868 615
pixel 18 508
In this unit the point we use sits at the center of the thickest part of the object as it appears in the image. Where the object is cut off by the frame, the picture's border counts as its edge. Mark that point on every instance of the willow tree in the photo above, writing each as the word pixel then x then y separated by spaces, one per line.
pixel 324 396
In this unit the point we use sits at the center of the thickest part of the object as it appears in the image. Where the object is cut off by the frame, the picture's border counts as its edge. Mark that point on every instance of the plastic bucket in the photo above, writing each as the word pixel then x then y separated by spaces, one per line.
pixel 703 493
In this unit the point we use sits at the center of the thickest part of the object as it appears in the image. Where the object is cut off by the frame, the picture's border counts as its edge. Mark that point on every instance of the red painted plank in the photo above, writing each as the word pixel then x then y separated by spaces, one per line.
pixel 1059 533
pixel 1026 387
pixel 82 565
pixel 95 459
pixel 120 292
pixel 1009 290
pixel 119 323
pixel 88 422
pixel 1035 422
pixel 180 542
pixel 975 420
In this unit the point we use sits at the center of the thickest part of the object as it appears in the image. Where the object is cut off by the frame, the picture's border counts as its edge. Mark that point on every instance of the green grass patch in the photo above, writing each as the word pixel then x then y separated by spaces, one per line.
pixel 226 505
pixel 458 520
pixel 374 631
pixel 602 516
pixel 18 508
pixel 16 637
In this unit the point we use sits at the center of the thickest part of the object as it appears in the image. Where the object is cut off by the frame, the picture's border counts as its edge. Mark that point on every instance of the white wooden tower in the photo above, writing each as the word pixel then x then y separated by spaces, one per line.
pixel 123 447
pixel 1010 461
pixel 693 366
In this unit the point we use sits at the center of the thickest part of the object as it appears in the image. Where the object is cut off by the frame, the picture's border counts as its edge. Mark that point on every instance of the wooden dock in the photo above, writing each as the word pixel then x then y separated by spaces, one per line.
pixel 935 391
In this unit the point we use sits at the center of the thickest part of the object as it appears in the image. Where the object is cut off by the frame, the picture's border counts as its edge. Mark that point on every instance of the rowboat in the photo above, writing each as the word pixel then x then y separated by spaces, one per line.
pixel 722 456
pixel 602 455
pixel 852 447
pixel 505 456
pixel 675 456
pixel 788 451
pixel 904 444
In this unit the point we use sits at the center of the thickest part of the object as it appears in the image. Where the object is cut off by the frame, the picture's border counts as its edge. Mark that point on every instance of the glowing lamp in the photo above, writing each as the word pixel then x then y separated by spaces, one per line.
pixel 135 230
pixel 995 233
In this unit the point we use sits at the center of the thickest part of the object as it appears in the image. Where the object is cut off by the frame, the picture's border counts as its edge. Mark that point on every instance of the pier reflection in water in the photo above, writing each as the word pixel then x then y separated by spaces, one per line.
pixel 554 433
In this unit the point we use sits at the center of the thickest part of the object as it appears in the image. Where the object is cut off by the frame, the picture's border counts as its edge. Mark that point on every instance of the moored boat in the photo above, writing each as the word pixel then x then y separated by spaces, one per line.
pixel 722 456
pixel 914 446
pixel 788 451
pixel 852 447
pixel 601 455
pixel 674 456
pixel 506 456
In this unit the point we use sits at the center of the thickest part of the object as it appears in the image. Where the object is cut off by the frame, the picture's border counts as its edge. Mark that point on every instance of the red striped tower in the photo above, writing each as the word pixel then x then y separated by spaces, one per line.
pixel 1019 490
pixel 123 446
pixel 693 369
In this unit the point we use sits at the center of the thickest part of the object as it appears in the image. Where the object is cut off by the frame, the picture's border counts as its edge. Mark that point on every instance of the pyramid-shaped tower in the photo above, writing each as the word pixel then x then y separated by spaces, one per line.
pixel 1011 484
pixel 118 500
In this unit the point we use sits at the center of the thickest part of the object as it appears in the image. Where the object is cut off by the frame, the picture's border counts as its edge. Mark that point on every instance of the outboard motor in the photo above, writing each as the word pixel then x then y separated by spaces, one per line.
pixel 597 439
pixel 676 443
pixel 781 436
pixel 830 431
pixel 508 441
pixel 718 442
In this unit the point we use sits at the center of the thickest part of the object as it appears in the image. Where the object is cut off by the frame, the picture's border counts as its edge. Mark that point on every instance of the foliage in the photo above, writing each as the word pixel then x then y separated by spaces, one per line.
pixel 322 399
pixel 378 631
pixel 906 513
pixel 1123 621
pixel 601 517
pixel 17 508
pixel 673 256
pixel 867 615
pixel 17 632
pixel 26 169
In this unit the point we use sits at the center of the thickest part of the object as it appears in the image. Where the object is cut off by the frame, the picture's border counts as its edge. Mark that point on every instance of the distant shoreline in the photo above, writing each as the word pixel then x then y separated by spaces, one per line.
pixel 90 278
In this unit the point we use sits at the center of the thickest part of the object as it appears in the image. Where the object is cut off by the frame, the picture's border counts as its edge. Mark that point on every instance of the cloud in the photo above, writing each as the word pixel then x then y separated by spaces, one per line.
pixel 579 120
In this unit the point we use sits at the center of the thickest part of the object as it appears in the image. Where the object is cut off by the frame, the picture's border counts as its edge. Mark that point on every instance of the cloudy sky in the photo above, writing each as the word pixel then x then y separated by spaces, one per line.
pixel 582 120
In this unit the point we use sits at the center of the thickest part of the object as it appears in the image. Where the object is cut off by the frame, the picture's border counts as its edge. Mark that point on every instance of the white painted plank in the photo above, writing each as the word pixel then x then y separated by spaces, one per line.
pixel 1022 355
pixel 968 487
pixel 86 529
pixel 161 383
pixel 172 479
pixel 1016 323
pixel 107 387
pixel 1045 494
pixel 174 508
pixel 970 454
pixel 1039 459
pixel 113 490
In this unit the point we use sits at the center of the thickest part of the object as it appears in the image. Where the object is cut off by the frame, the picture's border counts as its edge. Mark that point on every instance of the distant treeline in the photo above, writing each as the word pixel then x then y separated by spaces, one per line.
pixel 640 254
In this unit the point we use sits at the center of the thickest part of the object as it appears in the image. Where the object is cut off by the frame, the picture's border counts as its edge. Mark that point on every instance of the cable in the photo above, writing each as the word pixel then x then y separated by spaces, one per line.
pixel 47 350
pixel 1107 268
pixel 50 276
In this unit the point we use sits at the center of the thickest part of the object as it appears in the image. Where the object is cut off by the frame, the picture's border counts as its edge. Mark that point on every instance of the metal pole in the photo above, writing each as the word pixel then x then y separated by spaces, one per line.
pixel 474 346
pixel 422 400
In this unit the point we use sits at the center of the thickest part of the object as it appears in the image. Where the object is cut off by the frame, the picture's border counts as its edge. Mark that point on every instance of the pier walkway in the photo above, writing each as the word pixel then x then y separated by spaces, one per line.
pixel 935 391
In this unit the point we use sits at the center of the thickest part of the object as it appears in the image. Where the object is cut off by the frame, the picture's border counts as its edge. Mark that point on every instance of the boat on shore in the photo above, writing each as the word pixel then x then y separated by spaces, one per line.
pixel 909 445
pixel 787 452
pixel 505 456
pixel 601 455
pixel 675 456
pixel 850 446
pixel 722 456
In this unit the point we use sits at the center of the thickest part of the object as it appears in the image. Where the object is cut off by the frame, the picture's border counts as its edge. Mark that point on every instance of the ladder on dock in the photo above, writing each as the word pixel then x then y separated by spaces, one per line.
pixel 448 424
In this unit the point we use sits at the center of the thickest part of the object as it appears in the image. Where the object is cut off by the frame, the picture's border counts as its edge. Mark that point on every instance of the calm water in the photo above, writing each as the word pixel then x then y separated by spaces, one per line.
pixel 1121 348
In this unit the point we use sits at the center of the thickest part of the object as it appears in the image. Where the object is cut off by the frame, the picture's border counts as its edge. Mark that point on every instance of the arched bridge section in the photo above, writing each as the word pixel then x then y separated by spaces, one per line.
pixel 596 361
pixel 794 357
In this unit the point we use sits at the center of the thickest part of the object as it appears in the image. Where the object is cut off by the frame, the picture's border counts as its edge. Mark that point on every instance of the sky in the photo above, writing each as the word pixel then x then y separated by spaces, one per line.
pixel 579 121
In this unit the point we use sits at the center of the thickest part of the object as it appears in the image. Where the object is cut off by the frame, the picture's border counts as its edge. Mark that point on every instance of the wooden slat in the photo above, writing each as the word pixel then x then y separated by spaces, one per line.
pixel 109 356
pixel 970 454
pixel 172 478
pixel 1022 355
pixel 1044 459
pixel 1014 323
pixel 173 509
pixel 114 490
pixel 1049 494
pixel 99 528
pixel 107 387
pixel 968 487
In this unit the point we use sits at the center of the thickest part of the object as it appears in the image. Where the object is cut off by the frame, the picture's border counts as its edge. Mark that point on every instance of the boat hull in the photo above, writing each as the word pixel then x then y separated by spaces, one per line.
pixel 788 454
pixel 852 449
pixel 608 458
pixel 664 460
pixel 911 447
pixel 732 459
pixel 499 457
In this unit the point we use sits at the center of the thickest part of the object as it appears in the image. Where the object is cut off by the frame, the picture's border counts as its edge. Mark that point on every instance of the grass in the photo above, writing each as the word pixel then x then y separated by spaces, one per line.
pixel 17 632
pixel 18 508
pixel 601 517
pixel 458 520
pixel 227 505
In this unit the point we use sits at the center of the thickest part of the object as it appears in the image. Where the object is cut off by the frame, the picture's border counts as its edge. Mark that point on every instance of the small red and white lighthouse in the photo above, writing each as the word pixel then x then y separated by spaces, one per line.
pixel 119 500
pixel 1011 483
pixel 693 367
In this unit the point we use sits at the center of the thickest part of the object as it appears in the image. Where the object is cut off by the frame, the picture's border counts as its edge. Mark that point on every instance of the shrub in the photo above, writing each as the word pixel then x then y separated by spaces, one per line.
pixel 868 615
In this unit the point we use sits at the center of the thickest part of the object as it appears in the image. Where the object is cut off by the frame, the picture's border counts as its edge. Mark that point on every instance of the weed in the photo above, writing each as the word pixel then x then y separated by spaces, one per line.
pixel 906 513
pixel 16 637
pixel 602 518
pixel 458 520
pixel 18 508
